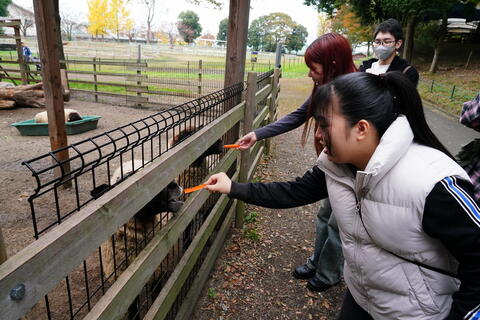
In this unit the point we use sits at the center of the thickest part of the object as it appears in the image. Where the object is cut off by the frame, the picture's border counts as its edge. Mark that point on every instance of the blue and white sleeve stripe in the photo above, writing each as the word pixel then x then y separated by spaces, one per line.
pixel 474 314
pixel 463 199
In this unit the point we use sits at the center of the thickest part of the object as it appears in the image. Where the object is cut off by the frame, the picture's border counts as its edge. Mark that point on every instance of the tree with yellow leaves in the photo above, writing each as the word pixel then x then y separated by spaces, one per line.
pixel 97 17
pixel 118 18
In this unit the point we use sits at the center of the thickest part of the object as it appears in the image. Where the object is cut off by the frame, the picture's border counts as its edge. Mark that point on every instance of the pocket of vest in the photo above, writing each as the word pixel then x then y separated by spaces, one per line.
pixel 419 289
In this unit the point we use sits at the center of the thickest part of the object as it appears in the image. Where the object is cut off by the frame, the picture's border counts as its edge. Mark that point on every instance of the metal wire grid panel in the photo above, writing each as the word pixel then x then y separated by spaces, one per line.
pixel 151 83
pixel 128 149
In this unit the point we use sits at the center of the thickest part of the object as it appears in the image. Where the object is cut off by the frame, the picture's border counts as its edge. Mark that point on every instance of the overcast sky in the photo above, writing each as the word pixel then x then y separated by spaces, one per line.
pixel 168 10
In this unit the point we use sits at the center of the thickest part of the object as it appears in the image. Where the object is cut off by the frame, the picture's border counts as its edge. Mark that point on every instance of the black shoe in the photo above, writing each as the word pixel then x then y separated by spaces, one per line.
pixel 303 272
pixel 314 284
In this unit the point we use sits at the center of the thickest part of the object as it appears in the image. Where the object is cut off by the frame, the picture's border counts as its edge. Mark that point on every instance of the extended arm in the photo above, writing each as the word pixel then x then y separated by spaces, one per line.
pixel 304 190
pixel 289 122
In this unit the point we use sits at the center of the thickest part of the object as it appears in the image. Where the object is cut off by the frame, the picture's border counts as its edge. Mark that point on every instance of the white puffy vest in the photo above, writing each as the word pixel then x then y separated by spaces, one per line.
pixel 391 194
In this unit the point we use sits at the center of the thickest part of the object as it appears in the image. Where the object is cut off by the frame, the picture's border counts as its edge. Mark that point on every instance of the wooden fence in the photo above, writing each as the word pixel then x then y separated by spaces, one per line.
pixel 138 83
pixel 28 276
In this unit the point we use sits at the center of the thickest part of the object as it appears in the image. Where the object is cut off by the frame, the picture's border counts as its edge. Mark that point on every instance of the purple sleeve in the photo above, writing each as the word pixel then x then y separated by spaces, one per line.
pixel 289 122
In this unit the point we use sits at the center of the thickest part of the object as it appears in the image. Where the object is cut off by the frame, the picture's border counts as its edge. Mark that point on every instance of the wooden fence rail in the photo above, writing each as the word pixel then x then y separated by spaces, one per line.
pixel 151 82
pixel 40 267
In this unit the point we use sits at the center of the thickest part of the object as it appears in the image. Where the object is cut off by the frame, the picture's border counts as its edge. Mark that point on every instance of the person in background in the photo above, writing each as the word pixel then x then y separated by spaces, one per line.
pixel 327 57
pixel 27 53
pixel 388 38
pixel 409 225
pixel 469 155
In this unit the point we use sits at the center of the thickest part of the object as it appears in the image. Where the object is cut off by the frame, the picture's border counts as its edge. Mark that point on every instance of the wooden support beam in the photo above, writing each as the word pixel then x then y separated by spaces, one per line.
pixel 203 273
pixel 49 57
pixel 239 11
pixel 272 105
pixel 250 106
pixel 3 248
pixel 21 58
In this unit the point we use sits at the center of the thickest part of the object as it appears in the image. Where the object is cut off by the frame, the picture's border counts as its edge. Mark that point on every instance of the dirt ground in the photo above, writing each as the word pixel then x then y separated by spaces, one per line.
pixel 16 181
pixel 252 276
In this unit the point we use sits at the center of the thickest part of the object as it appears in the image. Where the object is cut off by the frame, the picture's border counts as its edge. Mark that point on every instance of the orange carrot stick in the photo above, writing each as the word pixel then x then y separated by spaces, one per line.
pixel 192 189
pixel 231 146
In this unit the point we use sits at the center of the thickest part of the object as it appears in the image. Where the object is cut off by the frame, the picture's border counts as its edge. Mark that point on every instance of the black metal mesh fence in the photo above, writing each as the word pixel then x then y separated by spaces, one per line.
pixel 98 164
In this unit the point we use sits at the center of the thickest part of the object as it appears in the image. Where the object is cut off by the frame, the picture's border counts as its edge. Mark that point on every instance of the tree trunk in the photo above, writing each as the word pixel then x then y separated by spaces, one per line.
pixel 409 39
pixel 439 44
pixel 368 48
pixel 29 99
pixel 148 32
pixel 61 54
pixel 7 104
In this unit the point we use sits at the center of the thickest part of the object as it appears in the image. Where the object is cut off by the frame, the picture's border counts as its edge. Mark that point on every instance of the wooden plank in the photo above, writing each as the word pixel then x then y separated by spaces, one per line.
pixel 21 58
pixel 193 294
pixel 18 70
pixel 164 92
pixel 3 248
pixel 111 84
pixel 272 106
pixel 260 118
pixel 247 122
pixel 119 95
pixel 263 93
pixel 123 292
pixel 10 24
pixel 106 63
pixel 52 85
pixel 98 73
pixel 255 162
pixel 44 263
pixel 136 99
pixel 239 11
pixel 136 77
pixel 7 36
pixel 18 78
pixel 163 303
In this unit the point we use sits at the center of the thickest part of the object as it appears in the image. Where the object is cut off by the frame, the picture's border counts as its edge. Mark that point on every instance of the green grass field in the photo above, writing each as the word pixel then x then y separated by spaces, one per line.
pixel 180 66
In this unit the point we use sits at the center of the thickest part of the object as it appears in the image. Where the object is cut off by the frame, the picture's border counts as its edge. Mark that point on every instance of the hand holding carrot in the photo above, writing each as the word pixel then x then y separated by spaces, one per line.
pixel 219 182
pixel 247 141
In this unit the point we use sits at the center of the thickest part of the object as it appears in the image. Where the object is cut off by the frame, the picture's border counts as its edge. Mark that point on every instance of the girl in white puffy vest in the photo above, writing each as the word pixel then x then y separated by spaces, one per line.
pixel 409 225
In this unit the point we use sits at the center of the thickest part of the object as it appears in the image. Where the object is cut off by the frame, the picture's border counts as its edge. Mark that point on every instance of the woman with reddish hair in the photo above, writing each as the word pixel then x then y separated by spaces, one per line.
pixel 328 57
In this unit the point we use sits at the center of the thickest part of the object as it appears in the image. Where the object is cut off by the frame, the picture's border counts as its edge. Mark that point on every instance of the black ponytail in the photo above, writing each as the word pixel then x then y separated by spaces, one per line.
pixel 379 100
pixel 407 101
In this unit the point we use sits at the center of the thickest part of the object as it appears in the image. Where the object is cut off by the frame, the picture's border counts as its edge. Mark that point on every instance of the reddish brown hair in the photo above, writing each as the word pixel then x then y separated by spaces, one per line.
pixel 334 53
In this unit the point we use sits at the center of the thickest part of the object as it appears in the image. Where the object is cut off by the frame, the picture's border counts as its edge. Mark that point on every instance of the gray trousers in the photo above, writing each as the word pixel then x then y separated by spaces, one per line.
pixel 327 258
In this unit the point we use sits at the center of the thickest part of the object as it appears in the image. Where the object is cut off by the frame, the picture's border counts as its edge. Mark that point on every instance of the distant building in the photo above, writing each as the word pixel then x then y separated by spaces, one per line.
pixel 26 16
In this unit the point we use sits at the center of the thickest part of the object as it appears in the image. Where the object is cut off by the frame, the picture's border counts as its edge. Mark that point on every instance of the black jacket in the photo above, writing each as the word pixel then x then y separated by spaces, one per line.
pixel 398 64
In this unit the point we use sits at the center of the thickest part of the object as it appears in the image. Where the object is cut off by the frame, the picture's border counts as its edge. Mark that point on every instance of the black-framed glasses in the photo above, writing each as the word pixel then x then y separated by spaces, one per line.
pixel 386 43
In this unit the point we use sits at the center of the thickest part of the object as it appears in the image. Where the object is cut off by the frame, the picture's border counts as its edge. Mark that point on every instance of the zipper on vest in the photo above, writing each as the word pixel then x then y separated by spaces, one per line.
pixel 357 243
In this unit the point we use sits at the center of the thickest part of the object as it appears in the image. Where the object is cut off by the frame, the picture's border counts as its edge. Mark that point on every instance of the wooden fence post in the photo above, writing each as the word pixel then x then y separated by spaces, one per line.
pixel 21 58
pixel 200 76
pixel 95 86
pixel 139 73
pixel 272 106
pixel 245 155
pixel 3 248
